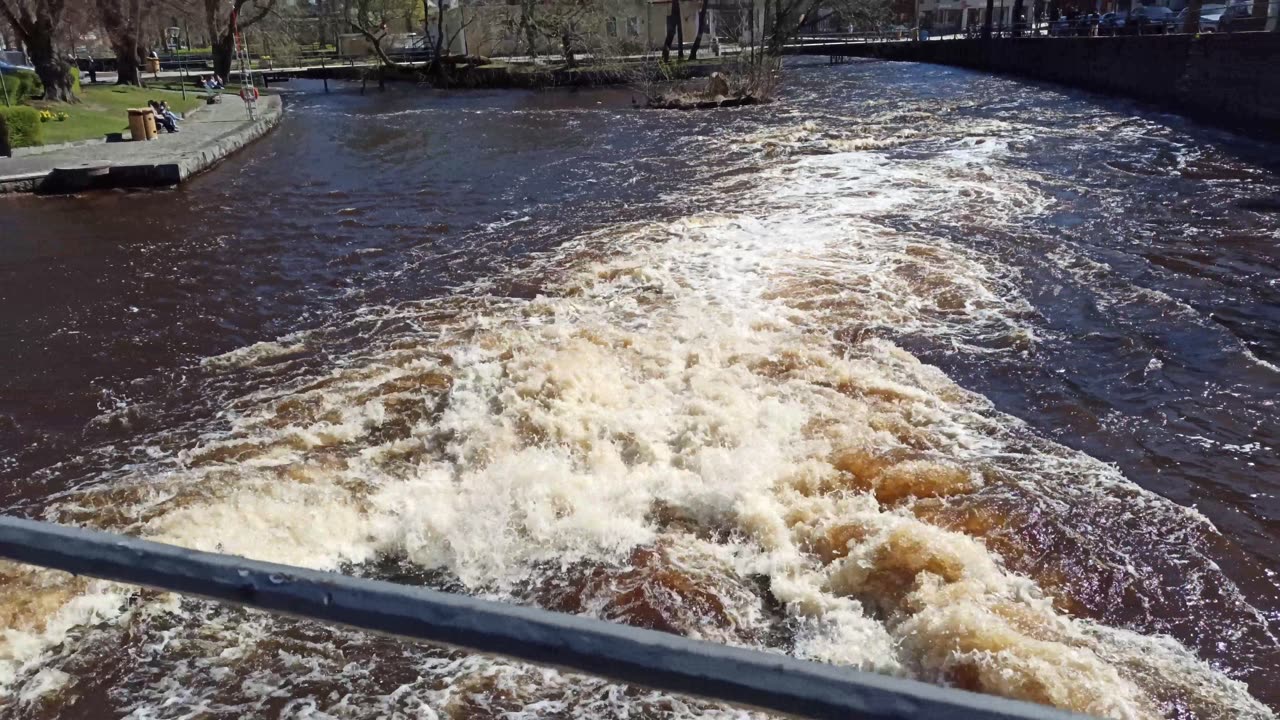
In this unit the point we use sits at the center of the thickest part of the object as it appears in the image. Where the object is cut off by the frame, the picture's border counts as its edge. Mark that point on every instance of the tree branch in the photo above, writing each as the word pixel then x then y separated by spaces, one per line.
pixel 19 26
pixel 376 42
pixel 263 12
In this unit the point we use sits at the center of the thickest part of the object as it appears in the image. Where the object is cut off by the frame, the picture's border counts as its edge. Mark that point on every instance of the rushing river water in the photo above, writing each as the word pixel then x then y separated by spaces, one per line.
pixel 917 370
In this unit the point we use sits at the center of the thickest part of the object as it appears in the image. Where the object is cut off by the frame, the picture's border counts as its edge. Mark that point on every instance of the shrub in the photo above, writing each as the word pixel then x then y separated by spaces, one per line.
pixel 20 127
pixel 22 86
pixel 29 86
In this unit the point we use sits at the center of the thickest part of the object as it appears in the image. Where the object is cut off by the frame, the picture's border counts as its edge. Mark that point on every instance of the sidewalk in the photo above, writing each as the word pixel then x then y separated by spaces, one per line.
pixel 210 133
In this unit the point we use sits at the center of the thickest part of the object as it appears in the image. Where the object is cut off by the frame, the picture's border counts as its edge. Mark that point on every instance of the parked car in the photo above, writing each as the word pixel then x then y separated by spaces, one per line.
pixel 1112 23
pixel 1233 15
pixel 14 57
pixel 1148 19
pixel 1209 15
pixel 9 68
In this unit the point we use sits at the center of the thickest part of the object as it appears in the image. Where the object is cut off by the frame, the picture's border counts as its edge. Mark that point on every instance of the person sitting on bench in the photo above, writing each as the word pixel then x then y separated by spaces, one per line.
pixel 164 118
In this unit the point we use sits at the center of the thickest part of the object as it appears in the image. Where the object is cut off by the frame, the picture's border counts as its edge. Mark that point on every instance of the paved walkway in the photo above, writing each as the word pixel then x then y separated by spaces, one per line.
pixel 209 134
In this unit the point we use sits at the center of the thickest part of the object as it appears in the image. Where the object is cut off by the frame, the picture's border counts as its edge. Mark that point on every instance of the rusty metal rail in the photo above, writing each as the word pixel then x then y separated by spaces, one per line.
pixel 657 660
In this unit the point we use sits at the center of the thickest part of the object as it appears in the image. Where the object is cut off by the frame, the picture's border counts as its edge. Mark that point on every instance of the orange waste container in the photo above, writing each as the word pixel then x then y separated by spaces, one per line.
pixel 142 123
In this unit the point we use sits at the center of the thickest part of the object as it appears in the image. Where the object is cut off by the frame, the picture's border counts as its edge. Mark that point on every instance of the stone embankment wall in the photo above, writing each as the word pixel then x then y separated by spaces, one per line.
pixel 1225 79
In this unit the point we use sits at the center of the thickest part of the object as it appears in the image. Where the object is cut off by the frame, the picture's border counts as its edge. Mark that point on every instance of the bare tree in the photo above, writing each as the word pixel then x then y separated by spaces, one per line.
pixel 870 14
pixel 675 31
pixel 222 30
pixel 528 25
pixel 568 24
pixel 986 21
pixel 702 29
pixel 785 18
pixel 36 24
pixel 122 21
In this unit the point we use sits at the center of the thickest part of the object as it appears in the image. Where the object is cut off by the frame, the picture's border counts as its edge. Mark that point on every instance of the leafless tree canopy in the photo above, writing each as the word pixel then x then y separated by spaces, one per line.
pixel 37 24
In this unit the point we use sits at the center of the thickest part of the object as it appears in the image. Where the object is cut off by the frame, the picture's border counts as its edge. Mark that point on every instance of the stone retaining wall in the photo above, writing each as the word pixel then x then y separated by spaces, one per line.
pixel 1225 79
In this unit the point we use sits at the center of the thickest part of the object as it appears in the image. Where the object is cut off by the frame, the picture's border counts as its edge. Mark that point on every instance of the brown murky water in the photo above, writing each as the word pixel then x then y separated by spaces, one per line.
pixel 917 370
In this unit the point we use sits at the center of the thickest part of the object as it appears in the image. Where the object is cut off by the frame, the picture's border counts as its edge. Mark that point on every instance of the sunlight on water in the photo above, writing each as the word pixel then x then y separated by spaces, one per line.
pixel 702 426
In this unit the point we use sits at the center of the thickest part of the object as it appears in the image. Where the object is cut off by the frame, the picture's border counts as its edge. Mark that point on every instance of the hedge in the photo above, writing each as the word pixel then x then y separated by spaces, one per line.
pixel 22 86
pixel 19 127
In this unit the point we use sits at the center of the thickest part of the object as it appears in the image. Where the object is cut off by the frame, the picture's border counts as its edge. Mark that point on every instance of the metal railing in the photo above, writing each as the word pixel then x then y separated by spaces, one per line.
pixel 621 653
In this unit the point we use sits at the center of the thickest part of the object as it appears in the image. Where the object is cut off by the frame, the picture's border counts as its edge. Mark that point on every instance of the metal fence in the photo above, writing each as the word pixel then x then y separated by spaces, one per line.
pixel 657 660
pixel 1087 24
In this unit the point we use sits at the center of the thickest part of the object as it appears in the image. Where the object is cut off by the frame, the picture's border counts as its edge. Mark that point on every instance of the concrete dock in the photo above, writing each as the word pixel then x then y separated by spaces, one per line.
pixel 209 134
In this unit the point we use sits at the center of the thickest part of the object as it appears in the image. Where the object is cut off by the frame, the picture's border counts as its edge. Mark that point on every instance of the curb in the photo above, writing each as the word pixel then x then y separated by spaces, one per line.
pixel 183 165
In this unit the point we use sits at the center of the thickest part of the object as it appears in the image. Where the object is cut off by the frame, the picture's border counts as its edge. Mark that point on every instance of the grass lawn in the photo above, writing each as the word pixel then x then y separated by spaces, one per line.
pixel 101 110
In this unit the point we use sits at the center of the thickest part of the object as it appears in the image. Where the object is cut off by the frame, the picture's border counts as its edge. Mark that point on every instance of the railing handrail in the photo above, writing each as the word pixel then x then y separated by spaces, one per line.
pixel 617 652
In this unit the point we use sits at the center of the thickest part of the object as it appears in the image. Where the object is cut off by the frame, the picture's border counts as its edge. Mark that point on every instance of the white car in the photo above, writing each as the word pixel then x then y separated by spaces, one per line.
pixel 1234 13
pixel 1209 15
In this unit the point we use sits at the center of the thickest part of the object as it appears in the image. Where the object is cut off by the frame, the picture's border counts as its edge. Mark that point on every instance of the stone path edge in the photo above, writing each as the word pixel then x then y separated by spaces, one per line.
pixel 183 167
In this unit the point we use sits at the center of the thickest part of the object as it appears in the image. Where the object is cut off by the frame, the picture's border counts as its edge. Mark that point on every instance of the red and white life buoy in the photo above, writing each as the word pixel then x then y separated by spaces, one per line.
pixel 249 94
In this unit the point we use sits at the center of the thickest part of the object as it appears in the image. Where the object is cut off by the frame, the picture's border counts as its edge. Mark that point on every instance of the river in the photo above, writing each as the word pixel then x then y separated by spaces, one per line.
pixel 916 370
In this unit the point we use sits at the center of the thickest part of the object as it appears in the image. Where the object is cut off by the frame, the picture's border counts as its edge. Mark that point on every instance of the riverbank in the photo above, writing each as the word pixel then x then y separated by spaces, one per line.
pixel 515 76
pixel 103 109
pixel 209 135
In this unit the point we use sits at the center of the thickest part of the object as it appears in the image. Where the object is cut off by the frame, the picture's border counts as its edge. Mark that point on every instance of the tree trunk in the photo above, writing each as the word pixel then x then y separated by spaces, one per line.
pixel 437 62
pixel 673 26
pixel 1192 22
pixel 679 31
pixel 1017 18
pixel 986 22
pixel 223 49
pixel 121 19
pixel 36 32
pixel 54 70
pixel 702 29
pixel 566 49
pixel 127 62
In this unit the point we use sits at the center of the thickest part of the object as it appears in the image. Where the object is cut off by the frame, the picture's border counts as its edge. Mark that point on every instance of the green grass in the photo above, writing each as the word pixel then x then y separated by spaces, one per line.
pixel 103 109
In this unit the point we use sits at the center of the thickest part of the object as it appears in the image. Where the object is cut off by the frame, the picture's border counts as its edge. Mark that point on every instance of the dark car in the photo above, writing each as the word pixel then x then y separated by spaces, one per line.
pixel 1112 23
pixel 9 68
pixel 1150 19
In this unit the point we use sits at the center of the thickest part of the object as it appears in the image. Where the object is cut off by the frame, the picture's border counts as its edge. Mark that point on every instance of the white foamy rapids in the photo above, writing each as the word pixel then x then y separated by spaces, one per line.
pixel 682 437
pixel 256 353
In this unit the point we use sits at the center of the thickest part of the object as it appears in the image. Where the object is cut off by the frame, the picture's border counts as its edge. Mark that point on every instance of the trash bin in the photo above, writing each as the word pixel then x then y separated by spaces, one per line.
pixel 142 123
pixel 153 65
